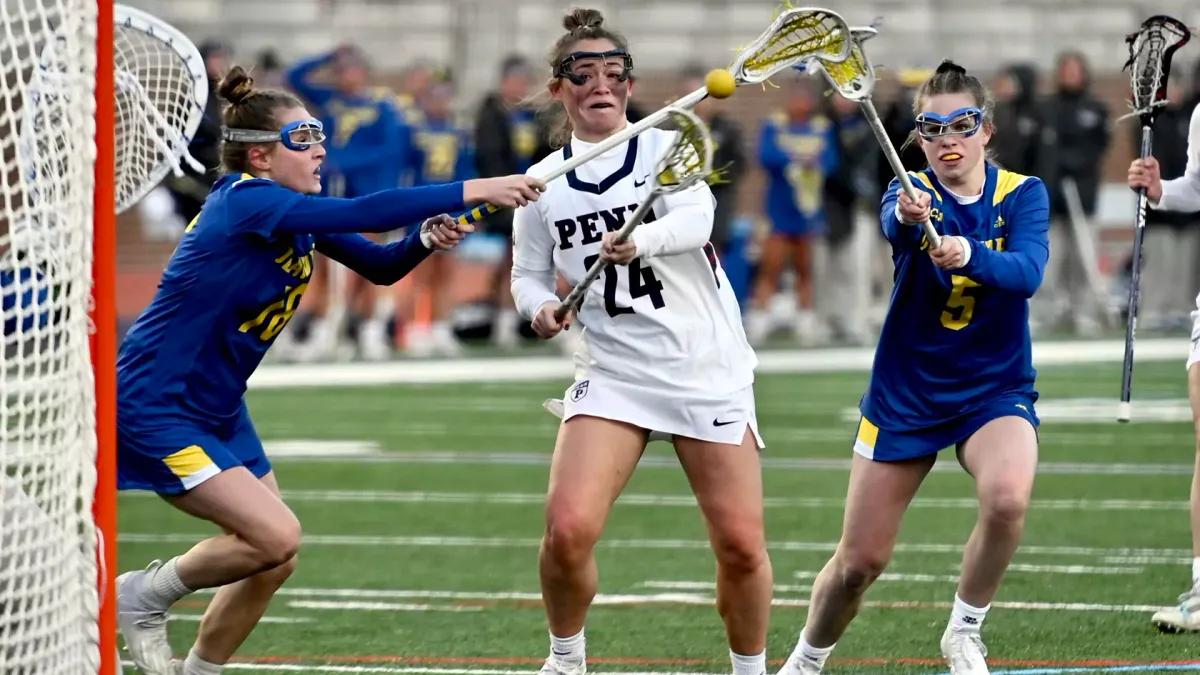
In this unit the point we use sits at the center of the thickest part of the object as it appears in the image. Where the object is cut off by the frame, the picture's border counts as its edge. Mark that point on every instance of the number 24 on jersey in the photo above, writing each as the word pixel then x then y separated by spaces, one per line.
pixel 642 283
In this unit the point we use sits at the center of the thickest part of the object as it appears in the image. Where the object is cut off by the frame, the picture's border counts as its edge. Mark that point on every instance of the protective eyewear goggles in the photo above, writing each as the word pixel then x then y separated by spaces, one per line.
pixel 578 66
pixel 298 135
pixel 964 122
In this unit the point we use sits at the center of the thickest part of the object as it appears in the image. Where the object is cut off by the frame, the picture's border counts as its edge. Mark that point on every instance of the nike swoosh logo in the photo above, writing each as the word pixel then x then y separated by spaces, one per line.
pixel 719 423
pixel 637 183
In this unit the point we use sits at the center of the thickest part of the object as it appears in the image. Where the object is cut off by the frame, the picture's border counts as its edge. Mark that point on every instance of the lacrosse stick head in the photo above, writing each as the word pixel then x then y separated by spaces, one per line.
pixel 797 34
pixel 161 92
pixel 854 77
pixel 689 160
pixel 1149 64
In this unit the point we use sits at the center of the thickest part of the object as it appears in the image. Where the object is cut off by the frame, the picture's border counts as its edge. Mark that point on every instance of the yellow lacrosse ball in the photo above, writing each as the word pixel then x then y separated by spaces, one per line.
pixel 720 83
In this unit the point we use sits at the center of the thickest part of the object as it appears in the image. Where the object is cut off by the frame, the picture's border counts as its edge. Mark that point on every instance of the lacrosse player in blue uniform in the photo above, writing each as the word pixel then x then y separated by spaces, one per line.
pixel 369 139
pixel 953 369
pixel 234 282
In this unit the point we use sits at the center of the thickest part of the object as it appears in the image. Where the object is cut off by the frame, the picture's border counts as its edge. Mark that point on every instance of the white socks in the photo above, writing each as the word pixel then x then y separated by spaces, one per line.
pixel 569 650
pixel 164 584
pixel 749 665
pixel 814 655
pixel 964 617
pixel 1196 571
pixel 194 665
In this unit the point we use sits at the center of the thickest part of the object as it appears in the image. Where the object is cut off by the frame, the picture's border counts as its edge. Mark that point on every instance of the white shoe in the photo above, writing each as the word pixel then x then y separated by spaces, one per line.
pixel 1183 618
pixel 964 651
pixel 373 340
pixel 758 327
pixel 143 626
pixel 553 666
pixel 504 331
pixel 799 664
pixel 445 342
pixel 809 329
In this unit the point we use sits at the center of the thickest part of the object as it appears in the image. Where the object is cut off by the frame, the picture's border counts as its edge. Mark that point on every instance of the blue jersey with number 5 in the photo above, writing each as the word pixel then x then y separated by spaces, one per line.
pixel 229 289
pixel 954 340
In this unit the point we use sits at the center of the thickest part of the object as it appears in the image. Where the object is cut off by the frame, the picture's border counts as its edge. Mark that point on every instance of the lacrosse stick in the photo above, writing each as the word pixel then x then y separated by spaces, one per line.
pixel 1149 64
pixel 161 88
pixel 854 79
pixel 797 34
pixel 162 91
pixel 687 162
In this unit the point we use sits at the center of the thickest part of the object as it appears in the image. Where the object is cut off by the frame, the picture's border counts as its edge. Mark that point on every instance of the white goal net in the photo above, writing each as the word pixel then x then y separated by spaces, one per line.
pixel 49 595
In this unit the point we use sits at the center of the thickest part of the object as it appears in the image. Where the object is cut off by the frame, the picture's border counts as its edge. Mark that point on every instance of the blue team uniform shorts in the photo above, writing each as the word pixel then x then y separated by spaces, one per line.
pixel 890 446
pixel 797 227
pixel 171 455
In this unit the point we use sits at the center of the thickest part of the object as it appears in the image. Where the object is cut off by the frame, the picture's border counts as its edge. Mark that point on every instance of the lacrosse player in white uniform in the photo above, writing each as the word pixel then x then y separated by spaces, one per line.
pixel 662 350
pixel 1181 194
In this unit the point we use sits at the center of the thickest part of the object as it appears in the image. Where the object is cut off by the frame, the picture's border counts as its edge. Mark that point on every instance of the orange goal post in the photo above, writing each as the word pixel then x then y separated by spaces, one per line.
pixel 98 102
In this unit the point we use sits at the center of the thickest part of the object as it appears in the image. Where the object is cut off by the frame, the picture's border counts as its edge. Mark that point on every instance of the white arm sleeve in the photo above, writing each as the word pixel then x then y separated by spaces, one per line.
pixel 686 226
pixel 533 262
pixel 1183 193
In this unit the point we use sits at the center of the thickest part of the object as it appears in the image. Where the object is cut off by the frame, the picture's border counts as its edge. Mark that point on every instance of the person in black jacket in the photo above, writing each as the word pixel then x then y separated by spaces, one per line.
pixel 1017 120
pixel 1075 137
pixel 190 189
pixel 506 138
pixel 728 156
pixel 1168 252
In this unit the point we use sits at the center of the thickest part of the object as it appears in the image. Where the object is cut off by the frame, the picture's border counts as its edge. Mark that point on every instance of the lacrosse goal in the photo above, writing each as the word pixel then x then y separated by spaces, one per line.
pixel 58 344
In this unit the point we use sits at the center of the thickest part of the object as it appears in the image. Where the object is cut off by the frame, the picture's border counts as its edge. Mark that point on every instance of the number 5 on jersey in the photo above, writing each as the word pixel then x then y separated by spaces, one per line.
pixel 642 283
pixel 960 307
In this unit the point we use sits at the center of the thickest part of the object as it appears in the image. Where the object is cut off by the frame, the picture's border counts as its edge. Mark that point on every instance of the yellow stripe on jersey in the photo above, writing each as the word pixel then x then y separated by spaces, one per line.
pixel 1006 183
pixel 868 433
pixel 928 183
pixel 245 177
pixel 187 461
pixel 192 466
pixel 867 437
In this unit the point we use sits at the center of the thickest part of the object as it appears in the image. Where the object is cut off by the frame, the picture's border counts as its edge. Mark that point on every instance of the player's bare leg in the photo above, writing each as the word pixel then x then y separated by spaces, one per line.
pixel 878 495
pixel 234 612
pixel 315 310
pixel 1002 457
pixel 504 328
pixel 593 460
pixel 774 256
pixel 727 481
pixel 1194 398
pixel 1185 616
pixel 807 323
pixel 445 266
pixel 267 535
pixel 432 286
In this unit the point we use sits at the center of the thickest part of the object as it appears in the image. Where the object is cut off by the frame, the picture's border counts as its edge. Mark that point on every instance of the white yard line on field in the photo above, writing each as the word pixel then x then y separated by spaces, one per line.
pixel 434 541
pixel 689 501
pixel 379 606
pixel 712 586
pixel 628 599
pixel 550 368
pixel 392 670
pixel 502 458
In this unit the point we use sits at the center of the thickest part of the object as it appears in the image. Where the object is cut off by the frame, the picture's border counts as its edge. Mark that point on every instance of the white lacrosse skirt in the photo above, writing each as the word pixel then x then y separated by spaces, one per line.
pixel 722 419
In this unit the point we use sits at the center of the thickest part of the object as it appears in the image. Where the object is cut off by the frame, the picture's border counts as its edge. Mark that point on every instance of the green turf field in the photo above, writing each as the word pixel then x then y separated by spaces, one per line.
pixel 422 514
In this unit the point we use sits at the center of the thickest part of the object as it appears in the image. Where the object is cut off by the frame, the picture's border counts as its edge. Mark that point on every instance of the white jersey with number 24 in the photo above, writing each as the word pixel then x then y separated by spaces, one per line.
pixel 668 320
